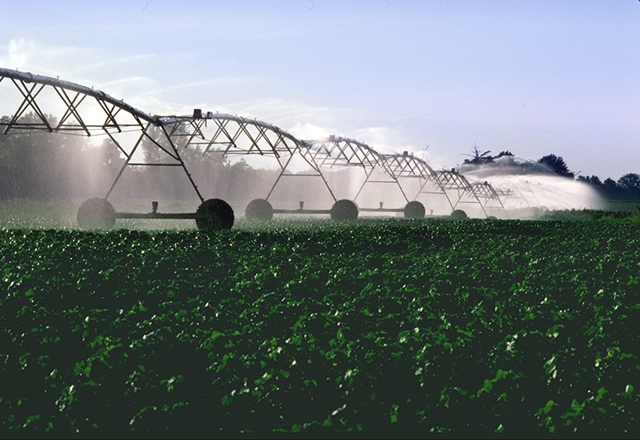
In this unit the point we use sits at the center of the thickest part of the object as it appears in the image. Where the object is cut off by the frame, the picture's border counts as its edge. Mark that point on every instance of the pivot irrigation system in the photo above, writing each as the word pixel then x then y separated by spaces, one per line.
pixel 65 107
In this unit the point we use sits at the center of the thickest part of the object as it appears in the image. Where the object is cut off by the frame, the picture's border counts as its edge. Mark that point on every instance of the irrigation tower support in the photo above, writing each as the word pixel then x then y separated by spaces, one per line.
pixel 232 135
pixel 64 107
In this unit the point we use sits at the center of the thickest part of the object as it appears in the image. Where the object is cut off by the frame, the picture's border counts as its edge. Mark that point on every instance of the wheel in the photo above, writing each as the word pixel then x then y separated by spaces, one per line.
pixel 96 214
pixel 414 209
pixel 214 215
pixel 259 209
pixel 344 210
pixel 492 217
pixel 458 214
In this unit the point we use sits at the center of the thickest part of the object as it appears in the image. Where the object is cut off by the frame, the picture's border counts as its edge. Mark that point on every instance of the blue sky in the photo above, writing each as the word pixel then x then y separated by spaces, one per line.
pixel 533 77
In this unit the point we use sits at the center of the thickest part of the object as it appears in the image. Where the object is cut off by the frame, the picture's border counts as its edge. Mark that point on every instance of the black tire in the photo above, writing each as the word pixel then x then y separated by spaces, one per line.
pixel 414 209
pixel 344 210
pixel 96 213
pixel 214 215
pixel 458 214
pixel 259 209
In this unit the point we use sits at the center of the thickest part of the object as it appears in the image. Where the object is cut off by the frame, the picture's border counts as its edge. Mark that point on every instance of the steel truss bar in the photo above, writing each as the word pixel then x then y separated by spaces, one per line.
pixel 235 135
pixel 484 190
pixel 507 191
pixel 72 109
pixel 454 181
pixel 28 78
pixel 124 166
pixel 232 135
pixel 182 164
pixel 71 97
pixel 172 151
pixel 408 166
pixel 117 144
pixel 110 120
pixel 283 167
pixel 232 139
pixel 476 190
pixel 112 116
pixel 29 101
pixel 340 151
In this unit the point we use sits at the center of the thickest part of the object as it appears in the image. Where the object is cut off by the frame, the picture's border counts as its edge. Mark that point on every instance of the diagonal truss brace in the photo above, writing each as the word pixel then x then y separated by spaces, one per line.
pixel 78 116
pixel 336 151
pixel 408 166
pixel 236 135
pixel 172 151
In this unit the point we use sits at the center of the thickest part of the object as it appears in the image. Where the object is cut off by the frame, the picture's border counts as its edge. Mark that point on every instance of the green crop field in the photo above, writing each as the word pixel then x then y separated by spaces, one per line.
pixel 386 328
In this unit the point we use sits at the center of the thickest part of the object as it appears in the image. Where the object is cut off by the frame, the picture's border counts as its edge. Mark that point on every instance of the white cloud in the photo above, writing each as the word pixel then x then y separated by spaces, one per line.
pixel 110 63
pixel 300 117
pixel 309 131
pixel 17 54
pixel 47 60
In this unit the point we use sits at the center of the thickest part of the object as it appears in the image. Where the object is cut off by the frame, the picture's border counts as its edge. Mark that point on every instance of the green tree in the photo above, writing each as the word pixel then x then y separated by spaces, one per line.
pixel 478 158
pixel 630 181
pixel 591 180
pixel 630 184
pixel 557 165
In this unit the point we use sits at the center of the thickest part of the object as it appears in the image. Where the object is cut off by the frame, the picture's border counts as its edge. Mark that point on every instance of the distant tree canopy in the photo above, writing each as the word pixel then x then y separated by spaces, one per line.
pixel 626 187
pixel 40 165
pixel 557 165
pixel 593 180
pixel 478 158
pixel 609 184
pixel 630 181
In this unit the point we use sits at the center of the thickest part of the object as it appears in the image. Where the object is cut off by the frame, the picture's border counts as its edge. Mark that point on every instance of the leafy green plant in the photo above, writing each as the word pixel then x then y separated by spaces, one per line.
pixel 379 327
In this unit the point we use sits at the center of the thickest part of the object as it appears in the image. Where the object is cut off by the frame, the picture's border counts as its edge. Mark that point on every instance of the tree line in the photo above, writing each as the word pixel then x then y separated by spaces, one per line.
pixel 627 187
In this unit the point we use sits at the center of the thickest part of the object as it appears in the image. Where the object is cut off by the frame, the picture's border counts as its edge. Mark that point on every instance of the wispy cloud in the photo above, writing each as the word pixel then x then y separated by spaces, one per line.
pixel 17 54
pixel 45 59
pixel 111 63
pixel 200 84
pixel 288 112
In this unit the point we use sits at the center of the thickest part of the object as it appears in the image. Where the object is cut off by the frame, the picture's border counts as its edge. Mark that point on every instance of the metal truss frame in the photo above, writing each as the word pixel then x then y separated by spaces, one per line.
pixel 507 191
pixel 338 151
pixel 454 181
pixel 116 117
pixel 89 112
pixel 345 152
pixel 485 191
pixel 170 149
pixel 234 135
pixel 408 166
pixel 72 96
pixel 525 187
